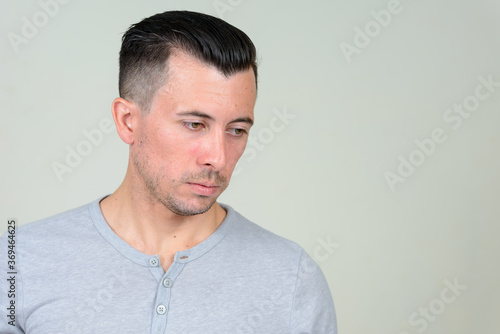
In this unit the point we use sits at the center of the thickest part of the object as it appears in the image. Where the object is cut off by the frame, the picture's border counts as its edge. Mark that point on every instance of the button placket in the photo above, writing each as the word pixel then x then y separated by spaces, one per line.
pixel 161 307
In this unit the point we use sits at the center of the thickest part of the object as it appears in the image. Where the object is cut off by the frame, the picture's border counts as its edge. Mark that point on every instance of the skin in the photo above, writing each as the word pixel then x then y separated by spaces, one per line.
pixel 182 154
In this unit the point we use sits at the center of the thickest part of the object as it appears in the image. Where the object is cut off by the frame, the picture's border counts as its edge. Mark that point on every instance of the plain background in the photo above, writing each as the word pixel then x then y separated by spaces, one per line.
pixel 317 178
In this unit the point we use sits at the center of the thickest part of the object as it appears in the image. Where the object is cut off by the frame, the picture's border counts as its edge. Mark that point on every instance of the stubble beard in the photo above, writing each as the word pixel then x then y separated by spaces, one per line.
pixel 153 182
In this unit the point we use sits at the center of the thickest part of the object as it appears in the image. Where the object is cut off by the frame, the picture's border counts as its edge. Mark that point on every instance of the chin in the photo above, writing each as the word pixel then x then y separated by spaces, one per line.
pixel 182 208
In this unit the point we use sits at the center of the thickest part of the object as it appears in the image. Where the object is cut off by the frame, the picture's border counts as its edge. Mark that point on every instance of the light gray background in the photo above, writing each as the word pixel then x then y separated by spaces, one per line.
pixel 319 180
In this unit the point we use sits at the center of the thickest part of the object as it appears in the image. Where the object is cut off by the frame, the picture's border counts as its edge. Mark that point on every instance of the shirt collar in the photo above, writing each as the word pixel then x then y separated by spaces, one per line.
pixel 143 259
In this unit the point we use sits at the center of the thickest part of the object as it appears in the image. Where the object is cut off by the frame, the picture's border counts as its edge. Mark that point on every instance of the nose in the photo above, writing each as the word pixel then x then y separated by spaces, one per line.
pixel 214 150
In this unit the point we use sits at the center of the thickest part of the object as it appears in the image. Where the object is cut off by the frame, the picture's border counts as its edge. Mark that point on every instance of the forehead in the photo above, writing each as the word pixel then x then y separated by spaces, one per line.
pixel 193 84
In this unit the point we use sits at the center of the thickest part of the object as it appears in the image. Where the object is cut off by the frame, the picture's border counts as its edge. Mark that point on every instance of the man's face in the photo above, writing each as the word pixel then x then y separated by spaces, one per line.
pixel 186 147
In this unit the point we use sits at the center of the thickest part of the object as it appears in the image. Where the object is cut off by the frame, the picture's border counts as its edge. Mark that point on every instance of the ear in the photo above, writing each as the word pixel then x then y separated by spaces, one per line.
pixel 126 115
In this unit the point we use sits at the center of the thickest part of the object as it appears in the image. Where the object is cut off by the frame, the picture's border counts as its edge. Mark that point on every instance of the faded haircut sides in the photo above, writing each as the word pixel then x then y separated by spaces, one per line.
pixel 147 46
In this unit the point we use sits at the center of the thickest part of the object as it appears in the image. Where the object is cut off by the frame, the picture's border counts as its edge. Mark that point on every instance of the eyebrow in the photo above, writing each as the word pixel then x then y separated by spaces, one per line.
pixel 206 116
pixel 243 120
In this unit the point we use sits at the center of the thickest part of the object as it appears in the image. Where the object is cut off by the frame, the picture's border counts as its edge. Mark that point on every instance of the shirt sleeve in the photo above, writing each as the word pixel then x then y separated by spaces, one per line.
pixel 313 311
pixel 10 307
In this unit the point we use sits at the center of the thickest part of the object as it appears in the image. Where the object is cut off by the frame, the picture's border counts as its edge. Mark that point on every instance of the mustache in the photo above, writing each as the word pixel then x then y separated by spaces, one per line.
pixel 206 175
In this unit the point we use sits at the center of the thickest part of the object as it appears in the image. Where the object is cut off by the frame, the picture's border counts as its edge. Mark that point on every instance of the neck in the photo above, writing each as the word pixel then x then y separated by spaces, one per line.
pixel 151 228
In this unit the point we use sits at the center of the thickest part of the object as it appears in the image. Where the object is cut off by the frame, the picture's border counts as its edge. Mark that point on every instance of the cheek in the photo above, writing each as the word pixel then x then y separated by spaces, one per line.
pixel 171 145
pixel 191 148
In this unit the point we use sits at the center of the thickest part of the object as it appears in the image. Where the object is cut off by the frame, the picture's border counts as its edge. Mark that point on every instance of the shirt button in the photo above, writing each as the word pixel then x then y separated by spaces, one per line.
pixel 161 309
pixel 167 283
pixel 153 262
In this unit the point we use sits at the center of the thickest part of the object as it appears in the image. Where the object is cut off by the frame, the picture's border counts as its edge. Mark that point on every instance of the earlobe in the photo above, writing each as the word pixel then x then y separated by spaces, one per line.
pixel 124 115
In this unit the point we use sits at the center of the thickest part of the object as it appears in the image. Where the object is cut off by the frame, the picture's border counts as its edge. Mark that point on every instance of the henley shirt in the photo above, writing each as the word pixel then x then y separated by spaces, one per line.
pixel 73 274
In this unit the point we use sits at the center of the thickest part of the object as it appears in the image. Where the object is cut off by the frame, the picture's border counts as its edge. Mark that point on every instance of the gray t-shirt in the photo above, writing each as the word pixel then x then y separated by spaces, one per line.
pixel 74 275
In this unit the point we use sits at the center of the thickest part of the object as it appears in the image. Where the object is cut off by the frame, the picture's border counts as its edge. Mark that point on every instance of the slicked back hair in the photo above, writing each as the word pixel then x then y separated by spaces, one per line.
pixel 147 46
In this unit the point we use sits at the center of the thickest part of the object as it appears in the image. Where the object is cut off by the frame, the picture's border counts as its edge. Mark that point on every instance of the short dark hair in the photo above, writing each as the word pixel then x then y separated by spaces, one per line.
pixel 147 46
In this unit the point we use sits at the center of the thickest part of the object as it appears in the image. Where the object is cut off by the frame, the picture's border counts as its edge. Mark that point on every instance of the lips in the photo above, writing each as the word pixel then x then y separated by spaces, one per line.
pixel 205 184
pixel 204 188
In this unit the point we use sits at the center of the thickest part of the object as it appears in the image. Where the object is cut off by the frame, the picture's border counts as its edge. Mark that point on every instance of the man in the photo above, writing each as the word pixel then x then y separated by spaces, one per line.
pixel 160 255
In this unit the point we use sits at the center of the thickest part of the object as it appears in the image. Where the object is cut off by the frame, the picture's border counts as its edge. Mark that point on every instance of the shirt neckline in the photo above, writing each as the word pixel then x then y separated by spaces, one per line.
pixel 144 259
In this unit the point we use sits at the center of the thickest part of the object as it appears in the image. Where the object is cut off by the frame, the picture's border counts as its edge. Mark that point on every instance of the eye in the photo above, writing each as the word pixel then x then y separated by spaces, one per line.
pixel 237 132
pixel 193 125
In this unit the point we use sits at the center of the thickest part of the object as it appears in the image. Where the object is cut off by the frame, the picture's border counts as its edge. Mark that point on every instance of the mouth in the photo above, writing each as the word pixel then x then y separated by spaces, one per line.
pixel 205 184
pixel 204 188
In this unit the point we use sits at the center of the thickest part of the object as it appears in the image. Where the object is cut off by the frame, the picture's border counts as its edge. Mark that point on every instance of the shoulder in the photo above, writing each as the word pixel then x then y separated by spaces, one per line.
pixel 246 236
pixel 47 230
pixel 266 251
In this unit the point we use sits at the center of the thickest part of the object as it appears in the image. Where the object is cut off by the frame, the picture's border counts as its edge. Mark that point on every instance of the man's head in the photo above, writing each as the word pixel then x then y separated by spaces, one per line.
pixel 148 45
pixel 188 89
